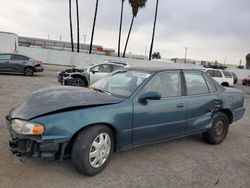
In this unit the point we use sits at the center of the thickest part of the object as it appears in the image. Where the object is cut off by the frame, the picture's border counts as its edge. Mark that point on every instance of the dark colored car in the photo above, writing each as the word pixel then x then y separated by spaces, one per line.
pixel 246 81
pixel 235 78
pixel 129 108
pixel 16 63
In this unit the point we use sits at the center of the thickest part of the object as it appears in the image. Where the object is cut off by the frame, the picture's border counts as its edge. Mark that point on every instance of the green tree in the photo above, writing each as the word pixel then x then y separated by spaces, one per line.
pixel 120 29
pixel 71 29
pixel 93 28
pixel 78 34
pixel 156 55
pixel 135 5
pixel 153 35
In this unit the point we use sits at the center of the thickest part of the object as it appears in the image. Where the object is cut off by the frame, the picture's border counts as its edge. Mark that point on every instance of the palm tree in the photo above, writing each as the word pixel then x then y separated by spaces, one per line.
pixel 135 5
pixel 78 35
pixel 93 29
pixel 153 35
pixel 120 30
pixel 71 30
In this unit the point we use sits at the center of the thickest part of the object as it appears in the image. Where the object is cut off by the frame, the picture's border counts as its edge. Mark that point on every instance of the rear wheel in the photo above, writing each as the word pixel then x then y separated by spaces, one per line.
pixel 219 129
pixel 93 149
pixel 28 71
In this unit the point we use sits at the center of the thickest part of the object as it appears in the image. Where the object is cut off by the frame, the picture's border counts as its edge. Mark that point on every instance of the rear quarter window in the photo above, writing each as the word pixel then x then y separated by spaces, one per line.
pixel 227 74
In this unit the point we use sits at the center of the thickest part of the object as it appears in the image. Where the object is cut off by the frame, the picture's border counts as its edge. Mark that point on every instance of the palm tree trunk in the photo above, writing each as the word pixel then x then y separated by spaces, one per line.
pixel 93 29
pixel 71 29
pixel 120 30
pixel 153 35
pixel 131 25
pixel 78 35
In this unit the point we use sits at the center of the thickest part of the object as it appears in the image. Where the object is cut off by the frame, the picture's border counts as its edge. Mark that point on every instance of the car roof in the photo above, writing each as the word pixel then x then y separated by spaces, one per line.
pixel 151 70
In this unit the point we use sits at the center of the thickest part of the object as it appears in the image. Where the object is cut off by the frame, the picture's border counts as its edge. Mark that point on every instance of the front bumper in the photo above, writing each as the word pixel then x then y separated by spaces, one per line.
pixel 31 148
pixel 34 146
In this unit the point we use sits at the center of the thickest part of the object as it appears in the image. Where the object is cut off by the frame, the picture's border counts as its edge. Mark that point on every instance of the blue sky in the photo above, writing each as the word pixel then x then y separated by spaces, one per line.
pixel 211 29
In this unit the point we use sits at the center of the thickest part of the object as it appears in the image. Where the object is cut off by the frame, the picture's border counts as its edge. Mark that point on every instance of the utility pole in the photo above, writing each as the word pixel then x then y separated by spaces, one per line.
pixel 225 60
pixel 84 38
pixel 186 49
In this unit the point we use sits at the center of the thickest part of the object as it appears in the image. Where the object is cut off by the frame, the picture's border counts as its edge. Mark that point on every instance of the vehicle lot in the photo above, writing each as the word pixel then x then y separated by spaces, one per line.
pixel 187 162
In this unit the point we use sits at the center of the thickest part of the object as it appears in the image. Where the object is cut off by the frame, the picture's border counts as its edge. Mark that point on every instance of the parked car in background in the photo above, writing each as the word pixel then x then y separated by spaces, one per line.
pixel 83 77
pixel 16 63
pixel 223 77
pixel 126 109
pixel 235 77
pixel 246 81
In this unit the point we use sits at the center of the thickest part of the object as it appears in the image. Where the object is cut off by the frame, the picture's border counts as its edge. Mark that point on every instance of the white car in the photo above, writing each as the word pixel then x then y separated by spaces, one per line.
pixel 86 76
pixel 223 77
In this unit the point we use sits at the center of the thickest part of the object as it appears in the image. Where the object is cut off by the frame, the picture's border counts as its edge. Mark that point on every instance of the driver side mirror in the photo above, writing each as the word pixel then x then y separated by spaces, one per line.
pixel 150 95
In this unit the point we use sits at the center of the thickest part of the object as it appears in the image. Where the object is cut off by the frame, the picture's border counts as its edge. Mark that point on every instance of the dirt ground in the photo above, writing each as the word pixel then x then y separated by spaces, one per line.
pixel 187 162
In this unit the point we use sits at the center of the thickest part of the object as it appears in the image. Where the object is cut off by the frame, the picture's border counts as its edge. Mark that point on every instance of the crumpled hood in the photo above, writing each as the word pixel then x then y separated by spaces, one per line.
pixel 57 98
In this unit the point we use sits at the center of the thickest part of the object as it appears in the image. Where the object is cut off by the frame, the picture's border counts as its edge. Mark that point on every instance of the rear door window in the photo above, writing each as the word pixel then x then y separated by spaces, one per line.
pixel 196 84
pixel 115 67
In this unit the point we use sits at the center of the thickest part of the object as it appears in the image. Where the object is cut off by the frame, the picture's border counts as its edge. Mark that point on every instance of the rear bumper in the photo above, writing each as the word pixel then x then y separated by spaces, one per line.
pixel 39 69
pixel 238 113
pixel 246 82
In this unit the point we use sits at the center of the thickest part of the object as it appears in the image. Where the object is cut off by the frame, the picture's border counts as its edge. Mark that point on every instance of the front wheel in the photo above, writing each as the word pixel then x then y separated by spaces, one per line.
pixel 219 129
pixel 78 82
pixel 93 149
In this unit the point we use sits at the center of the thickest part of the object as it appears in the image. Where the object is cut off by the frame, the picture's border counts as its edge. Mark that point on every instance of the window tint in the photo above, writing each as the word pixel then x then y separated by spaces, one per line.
pixel 167 84
pixel 211 86
pixel 5 57
pixel 102 68
pixel 227 74
pixel 196 84
pixel 210 72
pixel 20 57
pixel 217 74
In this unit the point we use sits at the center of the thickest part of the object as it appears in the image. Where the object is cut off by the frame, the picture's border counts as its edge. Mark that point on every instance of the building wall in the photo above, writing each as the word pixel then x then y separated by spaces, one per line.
pixel 8 42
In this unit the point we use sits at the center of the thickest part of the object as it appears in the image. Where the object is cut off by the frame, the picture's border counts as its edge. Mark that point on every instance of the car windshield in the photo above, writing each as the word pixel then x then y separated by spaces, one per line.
pixel 121 84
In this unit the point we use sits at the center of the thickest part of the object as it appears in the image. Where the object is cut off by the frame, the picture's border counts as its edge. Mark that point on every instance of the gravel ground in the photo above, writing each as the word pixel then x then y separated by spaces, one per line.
pixel 187 162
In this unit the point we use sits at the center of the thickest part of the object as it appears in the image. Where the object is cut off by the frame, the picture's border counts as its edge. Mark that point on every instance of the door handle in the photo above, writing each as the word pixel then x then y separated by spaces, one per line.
pixel 180 105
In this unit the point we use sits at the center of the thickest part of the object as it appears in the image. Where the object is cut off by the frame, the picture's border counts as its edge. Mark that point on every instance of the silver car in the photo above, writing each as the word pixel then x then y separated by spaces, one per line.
pixel 83 77
pixel 16 63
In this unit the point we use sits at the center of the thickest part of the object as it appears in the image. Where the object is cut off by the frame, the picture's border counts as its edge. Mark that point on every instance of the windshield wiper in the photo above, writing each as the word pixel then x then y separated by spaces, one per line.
pixel 100 90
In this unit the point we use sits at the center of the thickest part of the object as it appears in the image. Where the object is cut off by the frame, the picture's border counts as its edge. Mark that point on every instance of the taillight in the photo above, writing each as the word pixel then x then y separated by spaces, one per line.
pixel 39 62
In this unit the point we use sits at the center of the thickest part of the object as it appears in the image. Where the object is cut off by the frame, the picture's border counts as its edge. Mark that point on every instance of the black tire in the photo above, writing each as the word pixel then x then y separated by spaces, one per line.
pixel 225 84
pixel 78 82
pixel 82 148
pixel 219 129
pixel 28 71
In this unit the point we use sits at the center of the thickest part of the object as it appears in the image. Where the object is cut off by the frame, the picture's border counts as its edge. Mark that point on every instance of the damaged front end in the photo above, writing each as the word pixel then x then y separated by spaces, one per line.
pixel 66 75
pixel 27 145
